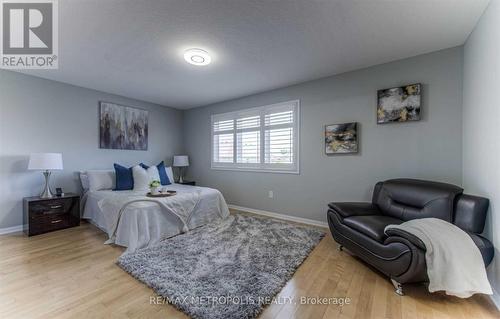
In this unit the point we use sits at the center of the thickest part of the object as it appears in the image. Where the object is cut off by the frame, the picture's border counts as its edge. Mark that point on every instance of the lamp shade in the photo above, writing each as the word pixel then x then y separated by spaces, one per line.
pixel 181 161
pixel 45 161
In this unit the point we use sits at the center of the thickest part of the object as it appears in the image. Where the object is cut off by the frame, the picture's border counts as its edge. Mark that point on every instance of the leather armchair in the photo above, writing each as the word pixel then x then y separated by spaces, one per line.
pixel 359 227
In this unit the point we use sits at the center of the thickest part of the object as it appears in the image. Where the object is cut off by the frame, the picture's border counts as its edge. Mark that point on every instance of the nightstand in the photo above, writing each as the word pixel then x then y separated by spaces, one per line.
pixel 43 215
pixel 192 183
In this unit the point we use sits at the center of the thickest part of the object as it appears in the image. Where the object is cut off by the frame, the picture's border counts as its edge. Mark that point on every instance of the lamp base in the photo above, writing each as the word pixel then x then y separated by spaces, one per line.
pixel 181 175
pixel 46 193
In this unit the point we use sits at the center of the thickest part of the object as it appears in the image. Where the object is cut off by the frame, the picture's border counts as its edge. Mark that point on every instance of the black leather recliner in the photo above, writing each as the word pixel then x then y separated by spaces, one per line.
pixel 398 254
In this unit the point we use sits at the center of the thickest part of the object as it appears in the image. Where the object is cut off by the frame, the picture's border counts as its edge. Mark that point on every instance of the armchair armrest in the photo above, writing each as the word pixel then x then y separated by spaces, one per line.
pixel 394 232
pixel 348 209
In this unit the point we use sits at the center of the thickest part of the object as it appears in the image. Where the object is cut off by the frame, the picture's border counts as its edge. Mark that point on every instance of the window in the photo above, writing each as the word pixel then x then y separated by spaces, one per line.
pixel 261 139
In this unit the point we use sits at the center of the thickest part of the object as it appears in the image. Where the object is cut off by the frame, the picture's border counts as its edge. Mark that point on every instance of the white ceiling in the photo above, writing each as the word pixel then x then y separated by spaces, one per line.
pixel 134 48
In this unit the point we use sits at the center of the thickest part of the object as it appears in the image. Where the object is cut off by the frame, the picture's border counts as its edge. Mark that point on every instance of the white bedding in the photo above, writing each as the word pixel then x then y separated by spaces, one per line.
pixel 144 224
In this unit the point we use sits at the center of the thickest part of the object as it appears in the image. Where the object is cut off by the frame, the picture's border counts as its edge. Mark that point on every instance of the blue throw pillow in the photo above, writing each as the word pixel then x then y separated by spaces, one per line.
pixel 163 174
pixel 124 178
pixel 164 180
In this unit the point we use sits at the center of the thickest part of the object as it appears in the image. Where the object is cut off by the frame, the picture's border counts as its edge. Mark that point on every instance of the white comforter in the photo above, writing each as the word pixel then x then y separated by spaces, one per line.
pixel 454 263
pixel 135 221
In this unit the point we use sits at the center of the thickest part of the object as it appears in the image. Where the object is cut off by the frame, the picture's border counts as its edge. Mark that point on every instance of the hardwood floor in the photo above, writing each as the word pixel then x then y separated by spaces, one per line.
pixel 71 274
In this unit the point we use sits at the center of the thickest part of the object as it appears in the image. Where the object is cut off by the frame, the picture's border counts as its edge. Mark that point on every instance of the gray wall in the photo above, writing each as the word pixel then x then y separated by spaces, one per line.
pixel 38 115
pixel 430 148
pixel 481 115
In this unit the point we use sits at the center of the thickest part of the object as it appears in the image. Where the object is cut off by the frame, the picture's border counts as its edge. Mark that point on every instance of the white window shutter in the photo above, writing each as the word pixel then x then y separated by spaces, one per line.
pixel 223 148
pixel 259 139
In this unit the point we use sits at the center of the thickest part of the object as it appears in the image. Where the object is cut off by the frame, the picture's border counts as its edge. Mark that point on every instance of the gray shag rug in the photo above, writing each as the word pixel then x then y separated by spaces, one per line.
pixel 229 269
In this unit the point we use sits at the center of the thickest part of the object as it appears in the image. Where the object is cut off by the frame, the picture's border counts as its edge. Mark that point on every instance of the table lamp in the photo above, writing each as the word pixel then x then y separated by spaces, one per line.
pixel 46 162
pixel 181 161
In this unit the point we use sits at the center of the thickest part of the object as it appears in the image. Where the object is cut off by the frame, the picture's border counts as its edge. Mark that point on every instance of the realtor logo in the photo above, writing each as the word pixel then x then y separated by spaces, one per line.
pixel 29 34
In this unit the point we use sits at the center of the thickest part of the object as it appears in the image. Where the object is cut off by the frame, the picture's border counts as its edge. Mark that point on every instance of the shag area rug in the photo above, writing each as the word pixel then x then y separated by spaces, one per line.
pixel 229 269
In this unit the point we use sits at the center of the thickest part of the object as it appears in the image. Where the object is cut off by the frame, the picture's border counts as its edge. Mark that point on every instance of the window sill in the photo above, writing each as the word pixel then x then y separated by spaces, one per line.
pixel 255 170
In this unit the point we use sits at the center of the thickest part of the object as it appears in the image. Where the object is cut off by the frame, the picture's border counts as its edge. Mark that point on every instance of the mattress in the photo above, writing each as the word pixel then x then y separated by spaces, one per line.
pixel 145 224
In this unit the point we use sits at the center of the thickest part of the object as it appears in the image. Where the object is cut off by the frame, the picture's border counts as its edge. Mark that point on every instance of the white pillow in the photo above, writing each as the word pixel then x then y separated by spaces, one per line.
pixel 170 174
pixel 142 177
pixel 101 180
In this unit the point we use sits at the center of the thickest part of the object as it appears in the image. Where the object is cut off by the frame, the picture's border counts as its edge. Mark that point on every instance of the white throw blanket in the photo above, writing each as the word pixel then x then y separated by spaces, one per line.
pixel 454 263
pixel 181 205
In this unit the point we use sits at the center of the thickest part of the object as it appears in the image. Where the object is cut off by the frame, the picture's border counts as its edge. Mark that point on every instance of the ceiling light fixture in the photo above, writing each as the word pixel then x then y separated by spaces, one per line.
pixel 197 57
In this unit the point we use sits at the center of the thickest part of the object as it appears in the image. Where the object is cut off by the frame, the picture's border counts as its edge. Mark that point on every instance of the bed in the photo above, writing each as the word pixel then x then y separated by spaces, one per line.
pixel 135 221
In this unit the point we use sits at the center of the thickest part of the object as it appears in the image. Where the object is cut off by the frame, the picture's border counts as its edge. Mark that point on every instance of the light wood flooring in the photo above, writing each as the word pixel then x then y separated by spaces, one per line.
pixel 71 274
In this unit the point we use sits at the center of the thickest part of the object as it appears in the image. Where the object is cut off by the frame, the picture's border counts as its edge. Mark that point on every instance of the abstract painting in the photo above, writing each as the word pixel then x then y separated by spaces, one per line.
pixel 401 104
pixel 123 127
pixel 341 138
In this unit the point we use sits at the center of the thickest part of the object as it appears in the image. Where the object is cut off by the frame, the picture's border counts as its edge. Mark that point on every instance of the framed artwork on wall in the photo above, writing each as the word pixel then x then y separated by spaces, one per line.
pixel 400 104
pixel 123 127
pixel 341 138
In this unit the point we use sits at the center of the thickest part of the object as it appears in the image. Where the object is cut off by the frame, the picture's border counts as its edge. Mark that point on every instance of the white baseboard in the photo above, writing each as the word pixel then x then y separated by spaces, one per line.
pixel 280 216
pixel 12 229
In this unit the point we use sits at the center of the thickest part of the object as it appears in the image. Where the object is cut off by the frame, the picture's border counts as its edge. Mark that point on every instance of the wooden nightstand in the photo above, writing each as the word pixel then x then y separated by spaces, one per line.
pixel 43 215
pixel 192 183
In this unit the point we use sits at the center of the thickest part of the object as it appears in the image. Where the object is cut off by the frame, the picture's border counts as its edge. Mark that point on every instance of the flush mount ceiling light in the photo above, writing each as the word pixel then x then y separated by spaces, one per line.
pixel 197 57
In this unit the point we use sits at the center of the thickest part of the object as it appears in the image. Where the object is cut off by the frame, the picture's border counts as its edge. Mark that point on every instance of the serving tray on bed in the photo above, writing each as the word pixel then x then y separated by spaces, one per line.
pixel 163 194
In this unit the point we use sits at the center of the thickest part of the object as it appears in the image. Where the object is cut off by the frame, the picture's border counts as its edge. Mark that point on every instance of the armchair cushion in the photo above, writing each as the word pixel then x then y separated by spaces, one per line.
pixel 372 225
pixel 348 209
pixel 409 199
